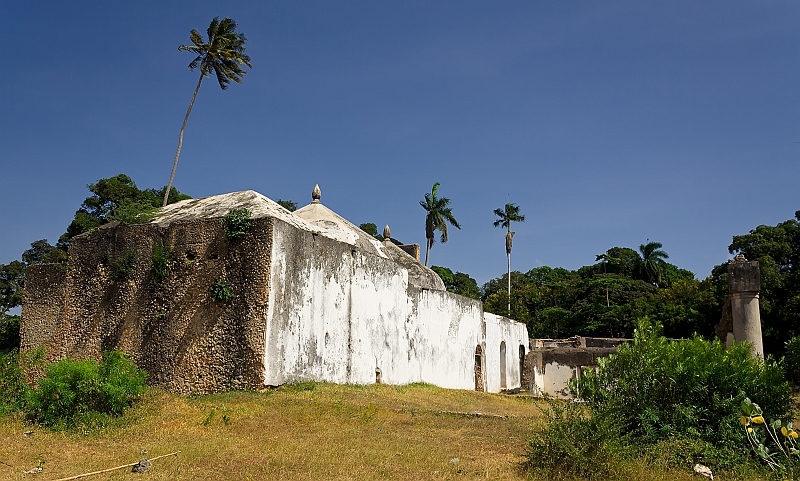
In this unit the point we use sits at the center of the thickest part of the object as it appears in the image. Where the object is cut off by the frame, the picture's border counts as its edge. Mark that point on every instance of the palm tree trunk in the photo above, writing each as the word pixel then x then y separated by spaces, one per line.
pixel 508 255
pixel 428 250
pixel 180 141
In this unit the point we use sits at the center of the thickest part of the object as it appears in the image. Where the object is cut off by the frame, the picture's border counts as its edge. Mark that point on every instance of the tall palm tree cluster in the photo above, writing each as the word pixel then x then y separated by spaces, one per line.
pixel 439 214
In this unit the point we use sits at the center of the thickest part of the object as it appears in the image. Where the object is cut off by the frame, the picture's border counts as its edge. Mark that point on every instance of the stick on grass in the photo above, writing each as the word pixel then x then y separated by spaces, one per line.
pixel 114 469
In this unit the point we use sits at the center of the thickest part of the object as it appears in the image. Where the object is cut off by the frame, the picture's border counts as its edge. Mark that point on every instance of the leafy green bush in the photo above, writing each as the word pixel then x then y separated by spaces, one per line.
pixel 657 389
pixel 9 332
pixel 131 213
pixel 162 257
pixel 12 384
pixel 791 359
pixel 575 443
pixel 124 265
pixel 221 291
pixel 75 393
pixel 236 223
pixel 774 443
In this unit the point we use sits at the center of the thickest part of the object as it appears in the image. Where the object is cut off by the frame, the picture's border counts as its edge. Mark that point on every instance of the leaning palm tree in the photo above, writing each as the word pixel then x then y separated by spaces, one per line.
pixel 438 215
pixel 652 261
pixel 222 55
pixel 508 214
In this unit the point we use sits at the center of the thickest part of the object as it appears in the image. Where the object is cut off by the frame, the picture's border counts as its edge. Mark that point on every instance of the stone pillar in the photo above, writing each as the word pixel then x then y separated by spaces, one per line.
pixel 744 283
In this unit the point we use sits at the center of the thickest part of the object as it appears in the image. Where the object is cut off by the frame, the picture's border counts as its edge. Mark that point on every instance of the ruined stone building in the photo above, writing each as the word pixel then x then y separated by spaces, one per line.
pixel 302 295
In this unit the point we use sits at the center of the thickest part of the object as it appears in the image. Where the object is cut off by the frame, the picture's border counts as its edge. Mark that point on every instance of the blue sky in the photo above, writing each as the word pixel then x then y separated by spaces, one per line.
pixel 609 123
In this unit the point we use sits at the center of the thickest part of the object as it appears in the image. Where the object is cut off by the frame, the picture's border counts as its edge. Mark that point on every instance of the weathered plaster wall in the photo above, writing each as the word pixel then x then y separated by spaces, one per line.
pixel 515 334
pixel 338 314
pixel 552 368
pixel 172 329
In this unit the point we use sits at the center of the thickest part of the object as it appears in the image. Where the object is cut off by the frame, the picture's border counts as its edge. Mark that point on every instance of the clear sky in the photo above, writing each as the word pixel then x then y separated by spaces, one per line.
pixel 609 123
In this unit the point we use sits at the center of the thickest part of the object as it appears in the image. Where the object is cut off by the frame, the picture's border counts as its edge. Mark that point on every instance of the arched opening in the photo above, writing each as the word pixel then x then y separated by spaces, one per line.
pixel 503 365
pixel 478 368
pixel 521 364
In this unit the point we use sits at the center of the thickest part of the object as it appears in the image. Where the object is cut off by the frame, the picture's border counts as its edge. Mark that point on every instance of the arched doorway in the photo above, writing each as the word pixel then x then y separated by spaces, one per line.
pixel 521 365
pixel 503 383
pixel 478 368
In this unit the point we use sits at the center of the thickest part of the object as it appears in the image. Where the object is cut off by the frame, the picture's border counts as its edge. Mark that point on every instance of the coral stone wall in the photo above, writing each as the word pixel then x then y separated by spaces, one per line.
pixel 171 328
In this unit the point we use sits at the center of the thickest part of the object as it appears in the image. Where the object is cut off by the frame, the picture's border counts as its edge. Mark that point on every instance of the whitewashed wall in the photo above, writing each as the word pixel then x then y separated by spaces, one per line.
pixel 337 314
pixel 515 334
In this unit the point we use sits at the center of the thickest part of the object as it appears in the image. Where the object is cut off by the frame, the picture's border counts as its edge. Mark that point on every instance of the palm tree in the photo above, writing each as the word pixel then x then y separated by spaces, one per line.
pixel 652 261
pixel 438 215
pixel 606 259
pixel 508 214
pixel 222 55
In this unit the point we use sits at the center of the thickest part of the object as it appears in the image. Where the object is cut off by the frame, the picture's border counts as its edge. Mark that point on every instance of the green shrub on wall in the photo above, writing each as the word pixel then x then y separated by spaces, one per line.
pixel 221 291
pixel 236 223
pixel 162 257
pixel 124 265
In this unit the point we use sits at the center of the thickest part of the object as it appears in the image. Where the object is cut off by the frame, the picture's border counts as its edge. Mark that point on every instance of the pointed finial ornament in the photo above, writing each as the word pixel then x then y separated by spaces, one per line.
pixel 387 234
pixel 316 194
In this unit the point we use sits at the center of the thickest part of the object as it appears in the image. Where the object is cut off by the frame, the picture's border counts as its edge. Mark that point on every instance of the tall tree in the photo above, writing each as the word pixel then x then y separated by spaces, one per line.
pixel 111 198
pixel 508 214
pixel 652 261
pixel 222 55
pixel 438 215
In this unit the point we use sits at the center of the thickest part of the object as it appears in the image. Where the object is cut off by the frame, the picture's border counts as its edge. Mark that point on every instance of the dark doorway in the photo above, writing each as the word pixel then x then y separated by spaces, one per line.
pixel 479 369
pixel 503 384
pixel 521 365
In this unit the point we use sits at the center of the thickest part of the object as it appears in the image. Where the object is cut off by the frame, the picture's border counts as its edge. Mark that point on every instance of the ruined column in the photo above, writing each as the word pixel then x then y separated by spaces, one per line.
pixel 744 283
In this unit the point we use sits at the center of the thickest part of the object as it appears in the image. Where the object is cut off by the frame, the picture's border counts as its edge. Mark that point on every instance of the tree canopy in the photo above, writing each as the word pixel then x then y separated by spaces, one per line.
pixel 115 198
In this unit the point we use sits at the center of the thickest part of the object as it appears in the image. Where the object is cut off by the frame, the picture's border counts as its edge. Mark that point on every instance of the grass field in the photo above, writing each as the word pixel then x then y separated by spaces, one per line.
pixel 301 432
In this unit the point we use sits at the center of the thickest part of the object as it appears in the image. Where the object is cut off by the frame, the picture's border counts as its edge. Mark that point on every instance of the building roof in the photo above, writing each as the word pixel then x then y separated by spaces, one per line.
pixel 314 217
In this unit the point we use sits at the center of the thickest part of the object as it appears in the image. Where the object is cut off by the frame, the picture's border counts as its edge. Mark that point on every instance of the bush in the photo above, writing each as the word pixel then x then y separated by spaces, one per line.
pixel 162 257
pixel 236 223
pixel 221 291
pixel 791 360
pixel 12 385
pixel 9 332
pixel 658 389
pixel 75 393
pixel 575 443
pixel 124 265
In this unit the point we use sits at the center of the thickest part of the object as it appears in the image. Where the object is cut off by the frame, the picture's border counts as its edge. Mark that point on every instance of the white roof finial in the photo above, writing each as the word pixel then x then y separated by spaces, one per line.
pixel 387 234
pixel 316 194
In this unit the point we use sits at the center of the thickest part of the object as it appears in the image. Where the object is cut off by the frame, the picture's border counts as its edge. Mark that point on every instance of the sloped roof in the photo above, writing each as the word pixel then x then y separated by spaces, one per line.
pixel 314 217
pixel 220 205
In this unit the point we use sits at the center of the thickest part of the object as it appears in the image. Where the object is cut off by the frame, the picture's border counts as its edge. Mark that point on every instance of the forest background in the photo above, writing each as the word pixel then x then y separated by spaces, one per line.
pixel 603 298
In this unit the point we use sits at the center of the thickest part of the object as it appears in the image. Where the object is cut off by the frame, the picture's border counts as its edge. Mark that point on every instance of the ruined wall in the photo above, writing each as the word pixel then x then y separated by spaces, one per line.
pixel 552 368
pixel 172 329
pixel 340 315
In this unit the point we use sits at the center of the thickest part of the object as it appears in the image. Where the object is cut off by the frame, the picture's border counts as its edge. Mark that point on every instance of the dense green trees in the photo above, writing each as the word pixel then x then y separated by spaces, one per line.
pixel 777 249
pixel 606 298
pixel 116 198
pixel 458 283
pixel 222 56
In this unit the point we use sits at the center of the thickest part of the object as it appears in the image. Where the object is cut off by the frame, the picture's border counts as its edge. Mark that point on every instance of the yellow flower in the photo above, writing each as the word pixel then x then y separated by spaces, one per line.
pixel 785 431
pixel 758 419
pixel 792 434
pixel 744 420
pixel 749 430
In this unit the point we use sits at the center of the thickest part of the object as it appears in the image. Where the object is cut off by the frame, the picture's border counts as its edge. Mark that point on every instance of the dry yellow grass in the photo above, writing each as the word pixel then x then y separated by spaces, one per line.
pixel 304 432
pixel 329 432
